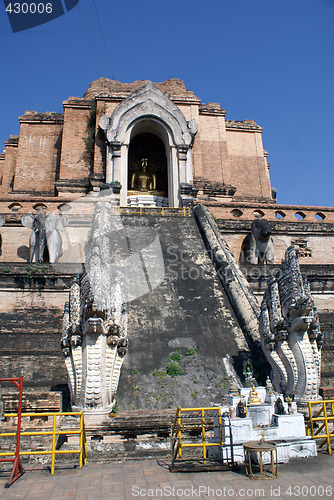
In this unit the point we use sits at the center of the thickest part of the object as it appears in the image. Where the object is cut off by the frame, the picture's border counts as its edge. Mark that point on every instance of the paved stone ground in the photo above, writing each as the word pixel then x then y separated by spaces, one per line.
pixel 151 479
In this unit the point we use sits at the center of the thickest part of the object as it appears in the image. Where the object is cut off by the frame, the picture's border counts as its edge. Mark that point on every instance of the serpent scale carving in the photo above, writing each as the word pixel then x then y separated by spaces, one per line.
pixel 290 333
pixel 94 337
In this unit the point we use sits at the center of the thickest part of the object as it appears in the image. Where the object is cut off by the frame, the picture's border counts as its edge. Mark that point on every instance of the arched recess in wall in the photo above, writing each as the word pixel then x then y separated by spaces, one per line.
pixel 39 206
pixel 146 144
pixel 15 207
pixel 320 216
pixel 150 138
pixel 149 111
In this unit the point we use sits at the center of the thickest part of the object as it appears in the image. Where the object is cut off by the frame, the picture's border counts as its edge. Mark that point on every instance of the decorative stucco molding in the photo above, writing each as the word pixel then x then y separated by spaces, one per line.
pixel 150 102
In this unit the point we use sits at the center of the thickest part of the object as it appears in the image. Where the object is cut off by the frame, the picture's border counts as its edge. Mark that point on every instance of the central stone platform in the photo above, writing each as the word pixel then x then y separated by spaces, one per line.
pixel 185 325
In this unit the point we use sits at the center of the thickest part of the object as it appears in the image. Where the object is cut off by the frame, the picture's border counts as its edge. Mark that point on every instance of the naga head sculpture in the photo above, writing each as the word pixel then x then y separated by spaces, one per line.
pixel 290 332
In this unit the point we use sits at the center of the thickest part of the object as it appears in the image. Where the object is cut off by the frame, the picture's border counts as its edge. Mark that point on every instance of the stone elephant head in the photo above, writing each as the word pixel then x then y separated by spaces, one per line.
pixel 45 234
pixel 2 222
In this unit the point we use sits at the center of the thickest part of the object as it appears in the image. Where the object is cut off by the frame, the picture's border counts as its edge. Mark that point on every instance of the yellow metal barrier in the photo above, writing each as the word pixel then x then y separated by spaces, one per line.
pixel 82 449
pixel 185 211
pixel 195 422
pixel 325 416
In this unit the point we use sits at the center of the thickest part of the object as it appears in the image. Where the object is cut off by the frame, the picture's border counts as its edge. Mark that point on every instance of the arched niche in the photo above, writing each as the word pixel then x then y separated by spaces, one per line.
pixel 149 111
pixel 149 146
pixel 152 136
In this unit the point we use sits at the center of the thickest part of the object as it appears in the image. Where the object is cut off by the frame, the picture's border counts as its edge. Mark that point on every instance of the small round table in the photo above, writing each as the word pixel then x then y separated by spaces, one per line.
pixel 259 448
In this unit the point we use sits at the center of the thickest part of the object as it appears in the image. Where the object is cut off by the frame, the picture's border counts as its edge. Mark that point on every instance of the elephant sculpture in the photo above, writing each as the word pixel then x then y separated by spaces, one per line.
pixel 2 222
pixel 45 234
pixel 258 246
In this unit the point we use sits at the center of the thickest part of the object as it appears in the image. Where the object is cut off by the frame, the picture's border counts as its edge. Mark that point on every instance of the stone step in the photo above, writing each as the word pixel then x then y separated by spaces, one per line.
pixel 36 401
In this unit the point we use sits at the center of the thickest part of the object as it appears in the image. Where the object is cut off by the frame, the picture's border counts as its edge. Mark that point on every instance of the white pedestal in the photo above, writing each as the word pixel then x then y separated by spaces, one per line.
pixel 147 200
pixel 289 426
pixel 234 400
pixel 261 414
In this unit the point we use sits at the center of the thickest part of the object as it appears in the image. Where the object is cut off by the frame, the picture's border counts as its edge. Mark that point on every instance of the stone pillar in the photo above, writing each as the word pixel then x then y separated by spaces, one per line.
pixel 189 167
pixel 173 179
pixel 114 155
pixel 121 173
pixel 182 156
pixel 109 165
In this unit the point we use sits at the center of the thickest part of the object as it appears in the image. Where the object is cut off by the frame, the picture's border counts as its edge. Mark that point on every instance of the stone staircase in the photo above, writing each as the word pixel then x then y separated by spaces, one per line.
pixel 127 435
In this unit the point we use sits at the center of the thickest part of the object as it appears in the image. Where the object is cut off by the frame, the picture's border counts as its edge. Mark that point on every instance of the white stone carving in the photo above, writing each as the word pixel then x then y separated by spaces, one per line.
pixel 94 338
pixel 149 110
pixel 46 229
pixel 262 422
pixel 290 332
pixel 148 101
pixel 146 200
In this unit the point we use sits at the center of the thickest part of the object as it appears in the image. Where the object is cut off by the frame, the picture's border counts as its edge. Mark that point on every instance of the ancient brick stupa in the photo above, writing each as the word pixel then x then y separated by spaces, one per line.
pixel 193 283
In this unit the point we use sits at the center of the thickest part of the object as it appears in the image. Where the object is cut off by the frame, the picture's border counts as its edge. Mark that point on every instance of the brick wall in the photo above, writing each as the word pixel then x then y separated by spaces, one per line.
pixel 38 152
pixel 75 162
pixel 211 141
pixel 227 152
pixel 247 167
pixel 8 164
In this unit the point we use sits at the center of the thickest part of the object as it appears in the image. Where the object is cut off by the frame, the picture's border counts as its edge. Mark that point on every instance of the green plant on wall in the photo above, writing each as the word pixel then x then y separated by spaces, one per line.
pixel 31 270
pixel 175 356
pixel 173 369
pixel 191 352
pixel 115 407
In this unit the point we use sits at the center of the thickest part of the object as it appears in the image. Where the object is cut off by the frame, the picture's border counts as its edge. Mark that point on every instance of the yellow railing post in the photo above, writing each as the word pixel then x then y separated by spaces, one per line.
pixel 327 430
pixel 196 421
pixel 324 418
pixel 81 442
pixel 220 425
pixel 54 428
pixel 311 420
pixel 203 434
pixel 179 433
pixel 82 451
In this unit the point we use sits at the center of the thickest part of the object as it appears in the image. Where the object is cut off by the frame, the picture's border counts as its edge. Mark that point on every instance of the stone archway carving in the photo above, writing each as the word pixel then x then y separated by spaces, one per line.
pixel 149 104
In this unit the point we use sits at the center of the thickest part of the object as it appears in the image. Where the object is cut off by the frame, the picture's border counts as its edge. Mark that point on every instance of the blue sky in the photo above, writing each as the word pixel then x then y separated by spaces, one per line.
pixel 270 61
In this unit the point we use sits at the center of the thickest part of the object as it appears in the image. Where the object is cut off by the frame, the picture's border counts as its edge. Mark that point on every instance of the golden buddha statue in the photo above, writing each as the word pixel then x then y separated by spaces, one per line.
pixel 143 181
pixel 254 398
